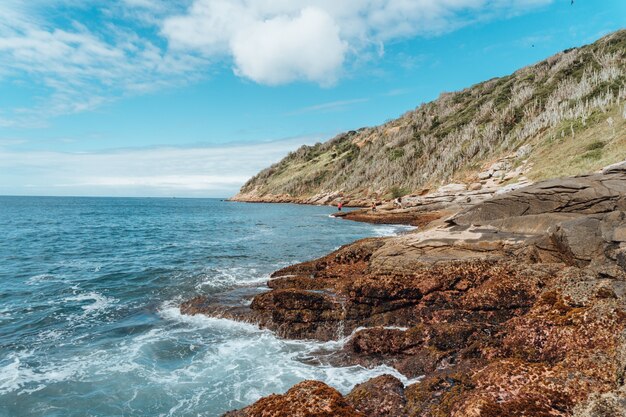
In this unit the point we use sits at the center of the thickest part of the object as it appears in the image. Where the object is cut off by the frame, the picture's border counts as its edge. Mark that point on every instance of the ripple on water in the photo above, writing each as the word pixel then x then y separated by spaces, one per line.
pixel 100 328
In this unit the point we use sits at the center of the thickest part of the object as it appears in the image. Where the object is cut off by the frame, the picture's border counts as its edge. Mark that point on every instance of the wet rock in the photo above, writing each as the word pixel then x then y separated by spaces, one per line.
pixel 410 217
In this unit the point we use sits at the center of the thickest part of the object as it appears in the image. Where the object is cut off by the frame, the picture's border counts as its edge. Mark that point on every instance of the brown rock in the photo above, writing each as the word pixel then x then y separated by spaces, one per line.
pixel 306 399
pixel 514 307
pixel 587 194
pixel 382 396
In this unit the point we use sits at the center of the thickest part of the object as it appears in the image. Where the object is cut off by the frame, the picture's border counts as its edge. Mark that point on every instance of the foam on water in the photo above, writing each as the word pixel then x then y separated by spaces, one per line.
pixel 90 323
pixel 36 279
pixel 170 311
pixel 276 359
pixel 16 375
pixel 214 358
pixel 220 278
pixel 97 302
pixel 392 229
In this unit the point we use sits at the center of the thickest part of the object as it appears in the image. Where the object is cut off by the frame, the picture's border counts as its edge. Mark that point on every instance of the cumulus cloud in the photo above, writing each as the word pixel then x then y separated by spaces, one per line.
pixel 164 171
pixel 284 49
pixel 280 41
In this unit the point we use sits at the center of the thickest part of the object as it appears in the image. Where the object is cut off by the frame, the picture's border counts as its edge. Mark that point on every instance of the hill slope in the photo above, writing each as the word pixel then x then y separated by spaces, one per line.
pixel 569 109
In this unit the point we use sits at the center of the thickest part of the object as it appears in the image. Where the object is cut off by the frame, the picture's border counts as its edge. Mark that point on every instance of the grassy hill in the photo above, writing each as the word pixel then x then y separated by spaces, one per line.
pixel 569 108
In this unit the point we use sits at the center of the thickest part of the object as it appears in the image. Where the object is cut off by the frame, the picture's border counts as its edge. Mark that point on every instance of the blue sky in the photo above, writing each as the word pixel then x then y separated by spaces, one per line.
pixel 191 97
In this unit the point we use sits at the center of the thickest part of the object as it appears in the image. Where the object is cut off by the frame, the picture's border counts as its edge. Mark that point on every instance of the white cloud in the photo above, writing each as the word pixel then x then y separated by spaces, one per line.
pixel 137 46
pixel 216 171
pixel 284 49
pixel 80 68
pixel 280 41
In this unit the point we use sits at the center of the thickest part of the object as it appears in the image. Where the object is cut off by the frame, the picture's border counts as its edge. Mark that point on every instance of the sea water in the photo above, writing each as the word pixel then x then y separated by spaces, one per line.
pixel 89 296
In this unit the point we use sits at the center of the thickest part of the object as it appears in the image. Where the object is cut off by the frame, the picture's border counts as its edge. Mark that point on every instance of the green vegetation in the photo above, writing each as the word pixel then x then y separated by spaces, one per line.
pixel 570 108
pixel 595 146
pixel 398 192
pixel 395 154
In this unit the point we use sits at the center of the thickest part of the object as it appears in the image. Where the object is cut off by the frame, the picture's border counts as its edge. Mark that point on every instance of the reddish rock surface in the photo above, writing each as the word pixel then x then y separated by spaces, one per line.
pixel 412 217
pixel 382 396
pixel 306 399
pixel 515 307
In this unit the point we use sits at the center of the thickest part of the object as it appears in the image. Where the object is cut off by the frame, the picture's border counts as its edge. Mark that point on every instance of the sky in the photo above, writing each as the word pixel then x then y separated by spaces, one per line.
pixel 189 98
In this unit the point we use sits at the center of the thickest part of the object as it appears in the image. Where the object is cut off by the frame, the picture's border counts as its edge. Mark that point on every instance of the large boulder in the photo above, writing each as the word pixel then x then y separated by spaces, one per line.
pixel 382 396
pixel 306 399
pixel 587 194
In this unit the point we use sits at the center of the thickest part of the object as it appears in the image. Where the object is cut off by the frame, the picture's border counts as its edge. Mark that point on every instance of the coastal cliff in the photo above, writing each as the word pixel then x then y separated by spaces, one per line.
pixel 510 306
pixel 562 116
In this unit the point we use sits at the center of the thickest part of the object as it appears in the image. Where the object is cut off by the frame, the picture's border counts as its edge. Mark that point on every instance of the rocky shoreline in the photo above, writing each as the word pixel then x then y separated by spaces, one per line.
pixel 503 175
pixel 512 305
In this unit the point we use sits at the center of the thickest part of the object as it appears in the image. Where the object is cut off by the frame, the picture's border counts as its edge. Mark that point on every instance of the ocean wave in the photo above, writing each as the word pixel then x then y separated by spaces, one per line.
pixel 98 302
pixel 220 278
pixel 189 362
pixel 171 312
pixel 270 364
pixel 19 375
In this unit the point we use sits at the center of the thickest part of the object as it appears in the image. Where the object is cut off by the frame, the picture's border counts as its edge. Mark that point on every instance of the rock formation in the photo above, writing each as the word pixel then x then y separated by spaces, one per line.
pixel 515 306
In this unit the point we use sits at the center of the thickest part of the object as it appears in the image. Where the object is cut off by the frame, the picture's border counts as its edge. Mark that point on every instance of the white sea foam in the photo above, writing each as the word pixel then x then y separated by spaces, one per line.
pixel 169 311
pixel 36 279
pixel 17 374
pixel 99 301
pixel 254 362
pixel 215 361
pixel 391 229
pixel 230 277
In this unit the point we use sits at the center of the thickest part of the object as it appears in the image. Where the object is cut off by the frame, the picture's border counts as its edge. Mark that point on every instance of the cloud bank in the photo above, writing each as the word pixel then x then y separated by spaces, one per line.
pixel 154 172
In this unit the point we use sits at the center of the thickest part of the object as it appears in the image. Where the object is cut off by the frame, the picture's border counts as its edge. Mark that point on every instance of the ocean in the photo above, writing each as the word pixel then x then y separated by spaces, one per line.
pixel 89 295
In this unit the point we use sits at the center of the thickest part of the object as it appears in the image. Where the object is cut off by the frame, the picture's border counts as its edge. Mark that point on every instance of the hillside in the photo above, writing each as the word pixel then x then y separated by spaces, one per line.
pixel 569 110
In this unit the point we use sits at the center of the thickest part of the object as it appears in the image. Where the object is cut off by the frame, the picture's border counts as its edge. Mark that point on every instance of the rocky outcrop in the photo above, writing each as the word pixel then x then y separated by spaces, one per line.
pixel 306 399
pixel 504 175
pixel 382 396
pixel 515 306
pixel 321 199
pixel 428 206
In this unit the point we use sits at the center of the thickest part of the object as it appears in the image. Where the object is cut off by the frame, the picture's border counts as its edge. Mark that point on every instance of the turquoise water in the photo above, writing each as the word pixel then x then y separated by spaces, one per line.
pixel 89 295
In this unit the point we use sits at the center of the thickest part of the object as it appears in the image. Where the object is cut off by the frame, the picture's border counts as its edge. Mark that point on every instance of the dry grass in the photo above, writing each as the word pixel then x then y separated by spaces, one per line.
pixel 561 106
pixel 587 151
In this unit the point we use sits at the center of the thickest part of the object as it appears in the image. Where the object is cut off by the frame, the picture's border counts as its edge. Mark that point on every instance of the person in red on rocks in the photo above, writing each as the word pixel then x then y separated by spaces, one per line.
pixel 339 206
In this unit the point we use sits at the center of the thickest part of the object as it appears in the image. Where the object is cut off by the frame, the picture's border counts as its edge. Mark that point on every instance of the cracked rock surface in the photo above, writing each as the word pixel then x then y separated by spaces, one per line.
pixel 515 306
